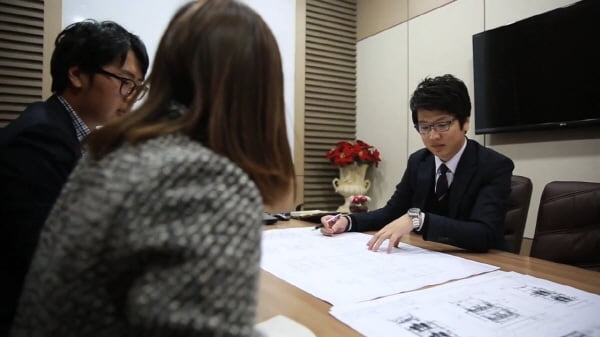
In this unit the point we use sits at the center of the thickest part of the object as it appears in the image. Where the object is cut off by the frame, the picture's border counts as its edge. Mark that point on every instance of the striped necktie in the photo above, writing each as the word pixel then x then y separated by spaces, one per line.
pixel 441 187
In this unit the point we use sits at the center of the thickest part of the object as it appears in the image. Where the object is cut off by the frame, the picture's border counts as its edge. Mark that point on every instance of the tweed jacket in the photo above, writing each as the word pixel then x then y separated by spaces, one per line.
pixel 477 199
pixel 157 239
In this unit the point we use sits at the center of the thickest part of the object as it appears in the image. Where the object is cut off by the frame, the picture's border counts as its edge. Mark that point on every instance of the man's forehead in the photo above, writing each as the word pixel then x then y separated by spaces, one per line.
pixel 430 116
pixel 130 68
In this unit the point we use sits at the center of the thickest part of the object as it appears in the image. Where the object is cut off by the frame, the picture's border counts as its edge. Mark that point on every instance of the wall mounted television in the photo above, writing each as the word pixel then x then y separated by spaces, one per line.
pixel 542 72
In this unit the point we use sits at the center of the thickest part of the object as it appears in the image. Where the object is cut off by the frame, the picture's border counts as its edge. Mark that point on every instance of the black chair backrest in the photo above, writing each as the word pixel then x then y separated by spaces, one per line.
pixel 568 224
pixel 516 216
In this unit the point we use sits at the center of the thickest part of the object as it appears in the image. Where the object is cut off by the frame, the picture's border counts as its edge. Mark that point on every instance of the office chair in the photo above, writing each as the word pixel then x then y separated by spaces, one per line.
pixel 516 216
pixel 568 224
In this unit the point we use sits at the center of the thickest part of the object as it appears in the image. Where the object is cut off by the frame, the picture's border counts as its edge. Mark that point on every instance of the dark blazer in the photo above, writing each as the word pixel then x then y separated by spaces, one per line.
pixel 477 200
pixel 38 150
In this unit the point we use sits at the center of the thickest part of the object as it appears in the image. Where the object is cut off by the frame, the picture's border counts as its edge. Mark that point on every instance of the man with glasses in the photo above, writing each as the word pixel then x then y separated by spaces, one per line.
pixel 454 191
pixel 97 70
pixel 128 87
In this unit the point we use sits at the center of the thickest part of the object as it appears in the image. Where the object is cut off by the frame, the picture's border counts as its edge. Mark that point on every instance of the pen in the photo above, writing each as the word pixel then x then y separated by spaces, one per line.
pixel 331 220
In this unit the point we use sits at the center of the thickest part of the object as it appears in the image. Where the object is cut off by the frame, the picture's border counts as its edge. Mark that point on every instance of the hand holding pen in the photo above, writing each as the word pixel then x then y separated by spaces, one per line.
pixel 329 221
pixel 333 224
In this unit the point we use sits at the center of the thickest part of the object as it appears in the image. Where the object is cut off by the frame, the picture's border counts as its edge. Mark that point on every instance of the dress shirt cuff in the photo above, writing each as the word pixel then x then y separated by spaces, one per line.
pixel 421 222
pixel 349 228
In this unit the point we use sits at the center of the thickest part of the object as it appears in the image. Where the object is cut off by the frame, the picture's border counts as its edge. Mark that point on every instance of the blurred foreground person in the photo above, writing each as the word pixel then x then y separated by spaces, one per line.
pixel 157 232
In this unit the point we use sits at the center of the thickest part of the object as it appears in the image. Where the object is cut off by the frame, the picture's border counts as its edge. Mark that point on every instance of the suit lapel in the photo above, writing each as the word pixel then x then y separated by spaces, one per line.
pixel 425 178
pixel 462 178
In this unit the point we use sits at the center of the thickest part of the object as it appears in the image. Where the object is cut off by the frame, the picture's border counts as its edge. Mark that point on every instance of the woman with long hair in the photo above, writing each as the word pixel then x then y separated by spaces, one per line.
pixel 157 232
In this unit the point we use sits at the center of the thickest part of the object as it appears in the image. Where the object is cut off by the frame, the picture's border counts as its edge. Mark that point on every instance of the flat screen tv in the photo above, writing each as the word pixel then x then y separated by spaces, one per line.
pixel 542 72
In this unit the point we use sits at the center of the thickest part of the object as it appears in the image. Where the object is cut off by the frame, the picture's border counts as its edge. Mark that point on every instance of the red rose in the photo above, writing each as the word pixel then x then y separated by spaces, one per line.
pixel 346 152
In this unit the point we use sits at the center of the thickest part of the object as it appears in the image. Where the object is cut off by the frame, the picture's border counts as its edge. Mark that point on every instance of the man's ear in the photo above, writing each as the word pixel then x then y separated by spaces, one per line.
pixel 77 78
pixel 466 124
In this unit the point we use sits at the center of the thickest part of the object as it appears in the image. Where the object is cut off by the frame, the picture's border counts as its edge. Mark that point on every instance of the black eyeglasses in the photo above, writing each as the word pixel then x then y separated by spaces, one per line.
pixel 424 129
pixel 128 86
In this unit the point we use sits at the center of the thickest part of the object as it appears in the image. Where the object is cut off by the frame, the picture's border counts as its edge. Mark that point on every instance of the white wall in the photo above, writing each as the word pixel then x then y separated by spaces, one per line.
pixel 382 103
pixel 439 42
pixel 145 18
pixel 149 18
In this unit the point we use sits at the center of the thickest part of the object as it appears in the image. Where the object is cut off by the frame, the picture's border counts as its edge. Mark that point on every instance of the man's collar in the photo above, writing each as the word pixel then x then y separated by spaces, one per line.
pixel 453 162
pixel 80 128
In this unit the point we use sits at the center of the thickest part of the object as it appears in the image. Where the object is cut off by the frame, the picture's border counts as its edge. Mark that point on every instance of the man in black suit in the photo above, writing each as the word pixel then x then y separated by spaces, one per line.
pixel 97 72
pixel 453 191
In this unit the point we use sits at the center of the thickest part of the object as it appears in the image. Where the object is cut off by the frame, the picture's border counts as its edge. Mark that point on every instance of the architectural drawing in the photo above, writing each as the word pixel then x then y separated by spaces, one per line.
pixel 488 311
pixel 307 259
pixel 421 328
pixel 548 294
pixel 495 304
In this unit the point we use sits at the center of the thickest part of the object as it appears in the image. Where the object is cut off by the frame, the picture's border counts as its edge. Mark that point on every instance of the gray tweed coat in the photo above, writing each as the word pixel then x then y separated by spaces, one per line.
pixel 158 239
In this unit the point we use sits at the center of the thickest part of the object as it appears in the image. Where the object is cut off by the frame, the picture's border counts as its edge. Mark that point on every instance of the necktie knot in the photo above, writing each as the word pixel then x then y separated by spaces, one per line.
pixel 443 169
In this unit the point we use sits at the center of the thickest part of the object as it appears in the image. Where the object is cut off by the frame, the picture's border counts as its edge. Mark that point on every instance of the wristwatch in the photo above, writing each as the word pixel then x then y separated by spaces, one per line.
pixel 415 216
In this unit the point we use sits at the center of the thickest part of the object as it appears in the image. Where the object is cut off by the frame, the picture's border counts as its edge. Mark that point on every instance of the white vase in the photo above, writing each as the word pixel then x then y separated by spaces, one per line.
pixel 351 182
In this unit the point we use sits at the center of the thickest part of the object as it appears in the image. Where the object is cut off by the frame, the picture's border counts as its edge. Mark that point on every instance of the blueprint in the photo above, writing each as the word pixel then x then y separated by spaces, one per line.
pixel 495 304
pixel 341 270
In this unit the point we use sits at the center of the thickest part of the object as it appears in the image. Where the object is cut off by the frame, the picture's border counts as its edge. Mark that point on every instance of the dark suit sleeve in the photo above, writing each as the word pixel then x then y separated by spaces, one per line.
pixel 398 204
pixel 479 223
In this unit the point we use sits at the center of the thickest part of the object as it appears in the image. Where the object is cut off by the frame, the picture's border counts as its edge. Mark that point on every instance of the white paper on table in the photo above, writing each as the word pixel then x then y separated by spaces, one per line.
pixel 497 304
pixel 340 269
pixel 283 326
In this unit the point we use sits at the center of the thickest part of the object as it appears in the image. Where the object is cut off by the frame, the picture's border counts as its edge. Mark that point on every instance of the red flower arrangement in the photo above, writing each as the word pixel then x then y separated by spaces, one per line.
pixel 346 152
pixel 358 203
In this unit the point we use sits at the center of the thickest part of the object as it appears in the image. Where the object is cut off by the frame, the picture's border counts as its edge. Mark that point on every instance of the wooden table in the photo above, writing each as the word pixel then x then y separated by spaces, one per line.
pixel 279 297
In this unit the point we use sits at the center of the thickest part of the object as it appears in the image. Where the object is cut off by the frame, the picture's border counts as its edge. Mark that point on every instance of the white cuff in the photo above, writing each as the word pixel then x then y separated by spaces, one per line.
pixel 421 221
pixel 349 222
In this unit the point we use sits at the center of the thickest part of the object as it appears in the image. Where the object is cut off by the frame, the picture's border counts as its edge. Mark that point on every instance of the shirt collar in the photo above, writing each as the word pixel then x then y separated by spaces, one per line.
pixel 80 128
pixel 453 162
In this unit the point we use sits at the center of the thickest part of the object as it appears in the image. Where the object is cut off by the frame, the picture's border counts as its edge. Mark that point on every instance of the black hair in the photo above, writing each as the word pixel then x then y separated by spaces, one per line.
pixel 91 45
pixel 445 93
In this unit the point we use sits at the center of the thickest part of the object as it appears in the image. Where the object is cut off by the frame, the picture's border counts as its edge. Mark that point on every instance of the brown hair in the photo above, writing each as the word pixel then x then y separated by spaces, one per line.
pixel 220 62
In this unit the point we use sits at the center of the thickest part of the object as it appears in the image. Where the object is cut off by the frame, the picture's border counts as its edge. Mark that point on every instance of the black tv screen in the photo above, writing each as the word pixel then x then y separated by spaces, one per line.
pixel 539 73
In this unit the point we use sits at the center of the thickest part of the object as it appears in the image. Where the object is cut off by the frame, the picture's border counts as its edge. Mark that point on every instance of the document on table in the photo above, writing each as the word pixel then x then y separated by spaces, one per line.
pixel 497 304
pixel 280 326
pixel 340 269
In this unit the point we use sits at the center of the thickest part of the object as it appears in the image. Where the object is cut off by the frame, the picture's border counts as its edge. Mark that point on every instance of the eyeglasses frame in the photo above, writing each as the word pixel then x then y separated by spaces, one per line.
pixel 141 88
pixel 437 126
